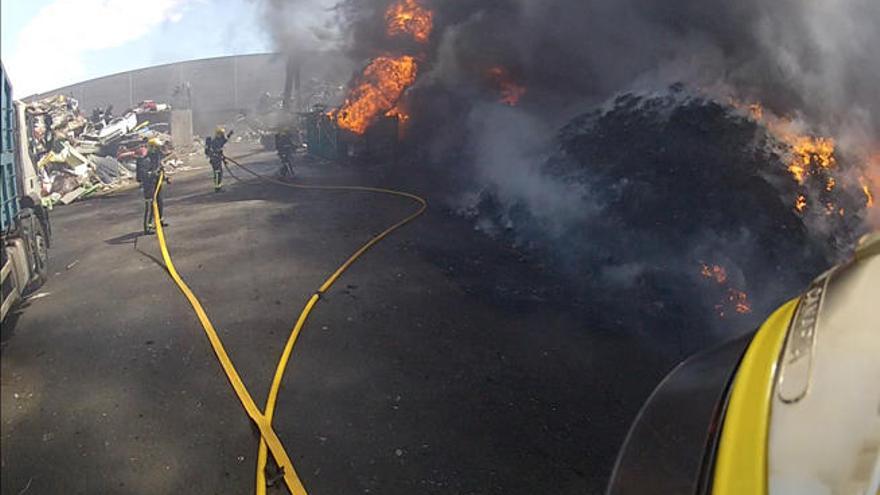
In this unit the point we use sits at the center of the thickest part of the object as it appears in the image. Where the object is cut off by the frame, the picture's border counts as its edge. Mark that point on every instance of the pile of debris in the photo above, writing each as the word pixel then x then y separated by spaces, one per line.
pixel 674 216
pixel 76 157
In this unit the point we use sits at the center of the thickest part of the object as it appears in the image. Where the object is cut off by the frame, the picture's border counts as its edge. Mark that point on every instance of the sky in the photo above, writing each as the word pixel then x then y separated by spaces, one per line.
pixel 47 44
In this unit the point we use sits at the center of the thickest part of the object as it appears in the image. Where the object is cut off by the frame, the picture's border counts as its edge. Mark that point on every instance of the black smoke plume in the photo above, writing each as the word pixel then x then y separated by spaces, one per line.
pixel 617 178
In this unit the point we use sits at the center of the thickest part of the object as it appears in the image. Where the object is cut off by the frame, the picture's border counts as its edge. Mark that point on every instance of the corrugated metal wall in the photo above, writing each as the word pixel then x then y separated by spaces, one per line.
pixel 219 88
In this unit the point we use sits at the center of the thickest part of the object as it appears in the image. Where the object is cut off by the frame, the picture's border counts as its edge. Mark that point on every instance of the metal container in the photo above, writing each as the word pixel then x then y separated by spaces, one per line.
pixel 326 140
pixel 9 187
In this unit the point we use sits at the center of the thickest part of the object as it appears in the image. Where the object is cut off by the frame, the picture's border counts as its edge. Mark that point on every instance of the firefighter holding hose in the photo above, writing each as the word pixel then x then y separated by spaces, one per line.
pixel 285 148
pixel 148 169
pixel 214 151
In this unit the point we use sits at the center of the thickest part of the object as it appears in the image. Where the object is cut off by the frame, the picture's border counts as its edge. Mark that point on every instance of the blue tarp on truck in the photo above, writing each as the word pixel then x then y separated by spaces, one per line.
pixel 9 186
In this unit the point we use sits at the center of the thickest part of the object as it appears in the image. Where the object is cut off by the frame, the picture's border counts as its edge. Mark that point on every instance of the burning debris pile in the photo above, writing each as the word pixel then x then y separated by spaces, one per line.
pixel 681 209
pixel 813 163
pixel 378 89
pixel 76 156
pixel 653 195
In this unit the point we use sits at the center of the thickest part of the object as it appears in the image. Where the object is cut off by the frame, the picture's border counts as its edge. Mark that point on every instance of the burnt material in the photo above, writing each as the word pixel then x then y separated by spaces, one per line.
pixel 658 185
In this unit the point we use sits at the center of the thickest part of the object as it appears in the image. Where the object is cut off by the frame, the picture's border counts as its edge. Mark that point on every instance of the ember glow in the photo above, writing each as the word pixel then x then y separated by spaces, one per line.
pixel 715 271
pixel 376 91
pixel 800 204
pixel 739 300
pixel 734 299
pixel 809 156
pixel 509 90
pixel 830 183
pixel 408 17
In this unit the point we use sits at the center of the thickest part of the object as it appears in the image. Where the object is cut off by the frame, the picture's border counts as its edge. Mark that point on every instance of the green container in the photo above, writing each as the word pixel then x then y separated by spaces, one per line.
pixel 326 140
pixel 322 136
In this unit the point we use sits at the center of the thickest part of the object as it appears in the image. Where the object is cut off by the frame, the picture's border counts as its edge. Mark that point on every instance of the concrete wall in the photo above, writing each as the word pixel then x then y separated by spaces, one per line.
pixel 220 88
pixel 181 128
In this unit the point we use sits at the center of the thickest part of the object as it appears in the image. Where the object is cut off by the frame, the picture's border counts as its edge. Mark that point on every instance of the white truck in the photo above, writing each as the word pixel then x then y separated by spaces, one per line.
pixel 25 224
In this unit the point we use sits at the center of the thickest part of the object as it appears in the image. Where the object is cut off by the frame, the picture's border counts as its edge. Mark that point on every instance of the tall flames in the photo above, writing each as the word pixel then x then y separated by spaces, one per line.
pixel 379 88
pixel 377 91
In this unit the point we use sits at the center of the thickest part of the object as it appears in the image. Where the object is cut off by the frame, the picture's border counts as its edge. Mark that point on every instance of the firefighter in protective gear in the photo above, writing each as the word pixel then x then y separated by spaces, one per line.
pixel 214 151
pixel 148 169
pixel 284 147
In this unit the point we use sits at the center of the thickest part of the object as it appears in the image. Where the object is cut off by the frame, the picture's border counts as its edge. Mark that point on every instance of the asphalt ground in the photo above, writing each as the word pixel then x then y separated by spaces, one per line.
pixel 442 362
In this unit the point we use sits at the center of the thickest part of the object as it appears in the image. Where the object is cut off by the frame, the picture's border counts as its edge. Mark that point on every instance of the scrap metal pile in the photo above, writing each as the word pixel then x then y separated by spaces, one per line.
pixel 77 156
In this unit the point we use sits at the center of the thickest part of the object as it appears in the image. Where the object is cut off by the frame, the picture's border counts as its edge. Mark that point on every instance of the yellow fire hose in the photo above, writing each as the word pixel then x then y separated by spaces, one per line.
pixel 269 441
pixel 288 348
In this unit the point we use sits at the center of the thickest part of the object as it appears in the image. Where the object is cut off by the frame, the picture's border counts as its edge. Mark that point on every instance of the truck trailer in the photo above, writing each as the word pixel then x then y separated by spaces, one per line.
pixel 26 231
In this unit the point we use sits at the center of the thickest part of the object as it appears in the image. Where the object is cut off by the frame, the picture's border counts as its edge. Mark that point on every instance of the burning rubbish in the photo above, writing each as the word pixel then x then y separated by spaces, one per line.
pixel 674 167
pixel 380 86
pixel 76 156
pixel 812 155
pixel 409 17
pixel 376 91
pixel 801 203
pixel 716 186
pixel 734 299
pixel 811 160
pixel 715 271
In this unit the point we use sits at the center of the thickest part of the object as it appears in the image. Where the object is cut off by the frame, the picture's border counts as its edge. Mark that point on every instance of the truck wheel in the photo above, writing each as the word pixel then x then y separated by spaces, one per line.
pixel 41 253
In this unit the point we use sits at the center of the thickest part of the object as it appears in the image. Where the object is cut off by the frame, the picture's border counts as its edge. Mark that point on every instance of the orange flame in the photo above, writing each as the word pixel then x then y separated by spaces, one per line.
pixel 398 112
pixel 800 204
pixel 739 300
pixel 734 298
pixel 510 92
pixel 380 87
pixel 809 155
pixel 869 198
pixel 715 271
pixel 830 183
pixel 408 17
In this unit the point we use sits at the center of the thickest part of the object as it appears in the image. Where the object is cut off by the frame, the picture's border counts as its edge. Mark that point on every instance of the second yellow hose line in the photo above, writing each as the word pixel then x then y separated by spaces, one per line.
pixel 300 322
pixel 268 439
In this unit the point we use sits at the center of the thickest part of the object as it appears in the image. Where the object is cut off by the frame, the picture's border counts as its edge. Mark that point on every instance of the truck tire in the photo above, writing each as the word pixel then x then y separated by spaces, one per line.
pixel 41 254
pixel 33 231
